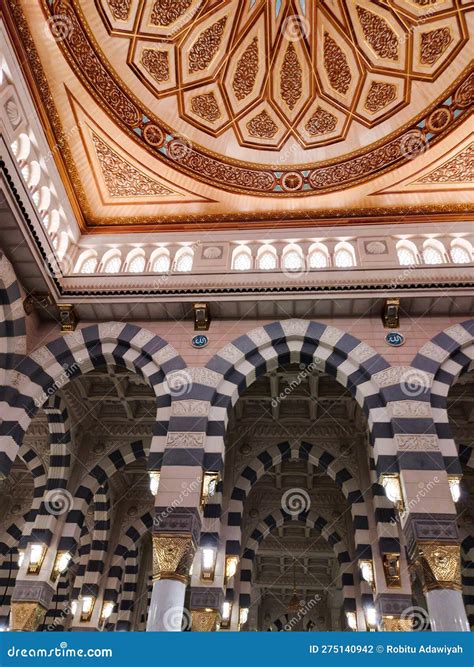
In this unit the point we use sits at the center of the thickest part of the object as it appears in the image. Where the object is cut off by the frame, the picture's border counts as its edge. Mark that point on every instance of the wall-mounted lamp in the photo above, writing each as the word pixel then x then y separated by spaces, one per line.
pixel 391 314
pixel 154 481
pixel 393 490
pixel 60 564
pixel 352 620
pixel 209 486
pixel 73 607
pixel 231 564
pixel 106 611
pixel 371 618
pixel 88 602
pixel 243 615
pixel 208 564
pixel 226 615
pixel 454 482
pixel 367 572
pixel 391 568
pixel 202 316
pixel 37 554
pixel 21 558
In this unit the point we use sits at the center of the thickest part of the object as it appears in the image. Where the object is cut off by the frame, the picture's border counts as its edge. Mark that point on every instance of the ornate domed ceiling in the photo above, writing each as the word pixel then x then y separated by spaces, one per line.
pixel 273 98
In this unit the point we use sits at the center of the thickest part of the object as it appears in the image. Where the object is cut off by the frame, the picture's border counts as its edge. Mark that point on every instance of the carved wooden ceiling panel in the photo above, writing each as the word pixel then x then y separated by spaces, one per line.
pixel 266 98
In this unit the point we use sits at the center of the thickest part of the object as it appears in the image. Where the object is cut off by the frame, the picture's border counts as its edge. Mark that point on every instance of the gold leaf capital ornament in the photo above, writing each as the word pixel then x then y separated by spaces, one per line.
pixel 204 620
pixel 27 616
pixel 439 565
pixel 173 556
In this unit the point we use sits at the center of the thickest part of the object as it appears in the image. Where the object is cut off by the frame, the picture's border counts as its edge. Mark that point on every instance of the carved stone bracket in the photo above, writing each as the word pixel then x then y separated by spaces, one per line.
pixel 173 556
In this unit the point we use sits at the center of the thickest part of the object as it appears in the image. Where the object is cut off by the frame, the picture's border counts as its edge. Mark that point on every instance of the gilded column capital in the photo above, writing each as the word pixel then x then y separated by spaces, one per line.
pixel 173 556
pixel 397 624
pixel 204 620
pixel 438 565
pixel 27 616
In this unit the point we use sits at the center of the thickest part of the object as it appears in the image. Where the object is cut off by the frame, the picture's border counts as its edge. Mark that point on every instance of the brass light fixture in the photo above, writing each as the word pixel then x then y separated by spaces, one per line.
pixel 231 564
pixel 391 314
pixel 67 317
pixel 208 563
pixel 37 554
pixel 226 615
pixel 352 620
pixel 295 602
pixel 209 486
pixel 391 568
pixel 154 481
pixel 106 611
pixel 367 571
pixel 202 316
pixel 60 564
pixel 88 603
pixel 454 482
pixel 393 490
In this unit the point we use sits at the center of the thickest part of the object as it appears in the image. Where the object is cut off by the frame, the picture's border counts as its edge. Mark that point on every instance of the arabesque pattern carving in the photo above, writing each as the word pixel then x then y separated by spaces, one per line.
pixel 433 44
pixel 206 106
pixel 335 62
pixel 121 178
pixel 380 95
pixel 378 34
pixel 321 122
pixel 156 63
pixel 120 9
pixel 166 12
pixel 205 48
pixel 262 126
pixel 246 71
pixel 291 78
pixel 459 169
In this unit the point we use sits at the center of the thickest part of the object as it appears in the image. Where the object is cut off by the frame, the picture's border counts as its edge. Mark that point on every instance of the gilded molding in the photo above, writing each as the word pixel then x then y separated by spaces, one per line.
pixel 173 556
